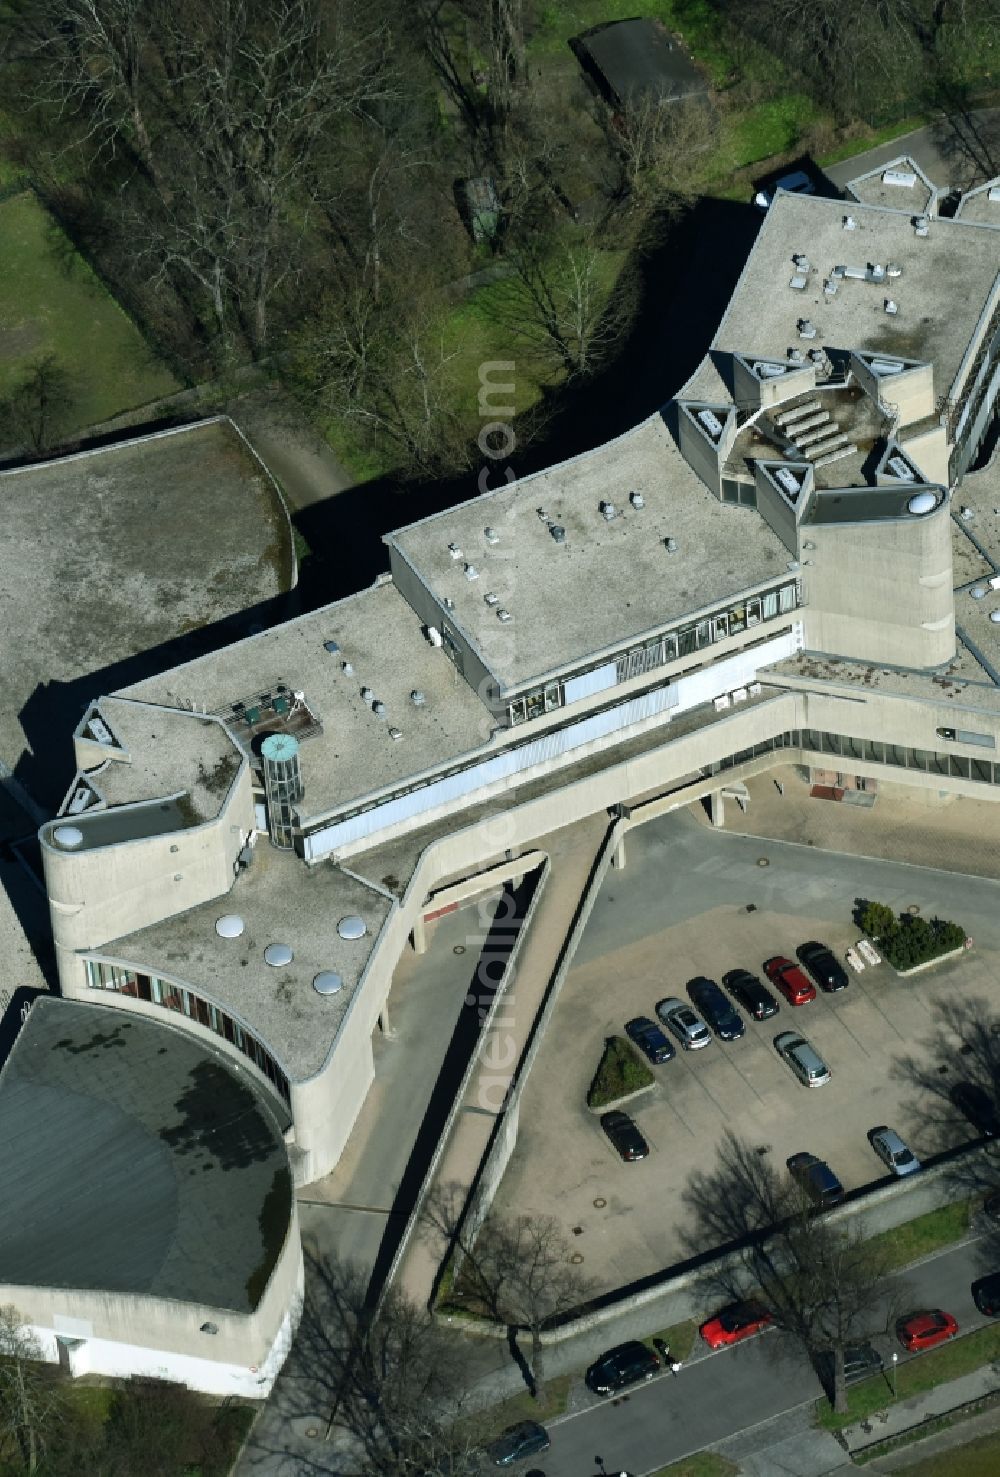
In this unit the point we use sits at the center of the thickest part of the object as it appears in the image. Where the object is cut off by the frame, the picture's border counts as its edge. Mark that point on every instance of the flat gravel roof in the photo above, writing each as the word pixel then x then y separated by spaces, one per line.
pixel 135 1160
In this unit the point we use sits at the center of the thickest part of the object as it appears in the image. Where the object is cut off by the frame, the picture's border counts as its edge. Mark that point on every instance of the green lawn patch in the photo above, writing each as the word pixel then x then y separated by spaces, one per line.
pixel 870 138
pixel 679 1338
pixel 702 1464
pixel 979 1458
pixel 51 303
pixel 961 1356
pixel 925 1235
pixel 620 1072
pixel 694 21
pixel 523 1408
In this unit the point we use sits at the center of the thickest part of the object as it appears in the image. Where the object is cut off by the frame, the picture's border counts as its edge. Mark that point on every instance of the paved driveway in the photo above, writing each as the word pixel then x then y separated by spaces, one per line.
pixel 680 909
pixel 953 154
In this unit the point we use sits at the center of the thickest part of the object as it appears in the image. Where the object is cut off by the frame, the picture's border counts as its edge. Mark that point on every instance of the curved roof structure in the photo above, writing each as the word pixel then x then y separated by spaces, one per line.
pixel 135 1161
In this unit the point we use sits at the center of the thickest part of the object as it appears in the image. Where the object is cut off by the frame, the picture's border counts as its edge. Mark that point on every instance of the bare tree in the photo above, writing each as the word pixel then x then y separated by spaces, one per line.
pixel 35 412
pixel 30 1399
pixel 825 1284
pixel 661 146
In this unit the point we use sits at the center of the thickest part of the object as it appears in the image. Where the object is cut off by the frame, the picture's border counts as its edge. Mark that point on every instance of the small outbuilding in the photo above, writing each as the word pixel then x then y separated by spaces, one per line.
pixel 636 59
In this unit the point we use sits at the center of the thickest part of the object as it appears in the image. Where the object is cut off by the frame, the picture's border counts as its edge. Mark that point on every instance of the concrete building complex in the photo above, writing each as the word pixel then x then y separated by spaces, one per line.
pixel 796 559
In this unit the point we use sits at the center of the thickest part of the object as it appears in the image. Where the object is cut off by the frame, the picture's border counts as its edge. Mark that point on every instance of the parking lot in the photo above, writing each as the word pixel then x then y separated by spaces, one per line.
pixel 679 909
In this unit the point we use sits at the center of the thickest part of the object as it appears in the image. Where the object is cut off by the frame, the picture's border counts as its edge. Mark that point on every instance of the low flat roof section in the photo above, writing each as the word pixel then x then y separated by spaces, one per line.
pixel 945 285
pixel 135 1161
pixel 981 207
pixel 111 556
pixel 899 185
pixel 607 581
pixel 637 59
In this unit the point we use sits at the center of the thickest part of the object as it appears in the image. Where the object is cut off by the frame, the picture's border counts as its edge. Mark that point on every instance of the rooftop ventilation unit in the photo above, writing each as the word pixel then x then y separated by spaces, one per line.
pixel 797 282
pixel 491 536
pixel 921 225
pixel 558 532
pixel 710 422
pixel 830 287
pixel 83 795
pixel 993 194
pixel 670 544
pixel 806 328
pixel 608 510
pixel 891 306
pixel 491 599
pixel 448 603
pixel 433 635
pixel 417 698
pixel 367 696
pixel 796 356
pixel 900 467
pixel 788 482
pixel 378 708
pixel 769 370
pixel 903 179
pixel 893 270
pixel 100 731
pixel 454 551
pixel 875 272
pixel 849 223
pixel 471 572
pixel 542 514
pixel 802 261
pixel 637 500
pixel 396 734
pixel 818 356
pixel 282 786
pixel 332 647
pixel 503 615
pixel 885 367
pixel 348 669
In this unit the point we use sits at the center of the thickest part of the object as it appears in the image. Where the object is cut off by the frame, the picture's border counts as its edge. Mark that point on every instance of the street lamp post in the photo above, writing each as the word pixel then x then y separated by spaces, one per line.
pixel 895 1361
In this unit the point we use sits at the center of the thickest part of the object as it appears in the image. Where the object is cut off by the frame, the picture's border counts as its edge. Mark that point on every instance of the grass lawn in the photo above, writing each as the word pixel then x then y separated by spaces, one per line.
pixel 679 1338
pixel 702 1464
pixel 870 138
pixel 979 1458
pixel 52 303
pixel 692 20
pixel 524 1408
pixel 928 1233
pixel 621 1071
pixel 961 1356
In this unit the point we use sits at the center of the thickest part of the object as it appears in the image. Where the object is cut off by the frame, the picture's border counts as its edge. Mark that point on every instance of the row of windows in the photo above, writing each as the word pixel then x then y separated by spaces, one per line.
pixel 670 647
pixel 873 751
pixel 148 987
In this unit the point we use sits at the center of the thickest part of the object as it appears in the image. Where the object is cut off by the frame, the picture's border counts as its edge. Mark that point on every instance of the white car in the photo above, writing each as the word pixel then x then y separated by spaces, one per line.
pixel 686 1024
pixel 804 1060
pixel 892 1151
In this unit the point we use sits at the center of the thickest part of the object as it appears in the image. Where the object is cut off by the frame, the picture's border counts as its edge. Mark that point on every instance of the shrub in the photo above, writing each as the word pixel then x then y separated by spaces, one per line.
pixel 619 1072
pixel 907 941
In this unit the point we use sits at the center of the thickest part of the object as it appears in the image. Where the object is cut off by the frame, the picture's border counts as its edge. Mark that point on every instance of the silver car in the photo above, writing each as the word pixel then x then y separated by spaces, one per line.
pixel 804 1060
pixel 893 1153
pixel 686 1024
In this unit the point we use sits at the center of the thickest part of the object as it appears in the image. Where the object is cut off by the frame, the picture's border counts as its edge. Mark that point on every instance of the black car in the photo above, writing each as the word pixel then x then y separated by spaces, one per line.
pixel 976 1104
pixel 625 1136
pixel 706 996
pixel 526 1438
pixel 626 1364
pixel 823 967
pixel 986 1294
pixel 650 1039
pixel 747 990
pixel 816 1178
pixel 991 1207
pixel 861 1361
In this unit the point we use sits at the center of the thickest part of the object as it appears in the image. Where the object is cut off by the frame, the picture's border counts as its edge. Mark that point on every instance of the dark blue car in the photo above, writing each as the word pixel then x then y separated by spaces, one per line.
pixel 650 1039
pixel 724 1019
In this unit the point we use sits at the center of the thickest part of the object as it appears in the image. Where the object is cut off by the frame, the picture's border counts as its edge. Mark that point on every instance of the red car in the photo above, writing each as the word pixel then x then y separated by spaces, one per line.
pixel 925 1329
pixel 734 1323
pixel 789 979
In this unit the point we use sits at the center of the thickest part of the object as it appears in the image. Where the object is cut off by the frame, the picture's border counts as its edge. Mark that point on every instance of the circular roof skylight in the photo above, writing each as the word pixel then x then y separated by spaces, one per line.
pixel 327 982
pixel 352 927
pixel 921 502
pixel 229 926
pixel 277 955
pixel 978 592
pixel 68 836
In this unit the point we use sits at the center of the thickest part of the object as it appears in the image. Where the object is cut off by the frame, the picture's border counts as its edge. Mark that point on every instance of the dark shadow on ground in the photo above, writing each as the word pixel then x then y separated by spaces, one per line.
pixel 686 283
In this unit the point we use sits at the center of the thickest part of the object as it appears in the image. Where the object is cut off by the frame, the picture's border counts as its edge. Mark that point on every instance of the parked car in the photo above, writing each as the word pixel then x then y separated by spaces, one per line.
pixel 733 1324
pixel 986 1294
pixel 524 1439
pixel 925 1329
pixel 747 990
pixel 893 1153
pixel 789 979
pixel 650 1039
pixel 726 1022
pixel 824 968
pixel 796 181
pixel 688 1027
pixel 861 1361
pixel 816 1178
pixel 626 1364
pixel 625 1136
pixel 804 1060
pixel 976 1104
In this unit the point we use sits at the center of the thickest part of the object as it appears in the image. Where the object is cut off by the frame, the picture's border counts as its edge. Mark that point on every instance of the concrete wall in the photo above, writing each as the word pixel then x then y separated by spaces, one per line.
pixel 102 892
pixel 929 449
pixel 881 591
pixel 910 393
pixel 115 1334
pixel 432 613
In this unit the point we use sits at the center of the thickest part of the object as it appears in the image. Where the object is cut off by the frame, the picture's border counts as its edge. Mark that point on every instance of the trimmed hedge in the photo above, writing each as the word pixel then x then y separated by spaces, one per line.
pixel 907 940
pixel 619 1072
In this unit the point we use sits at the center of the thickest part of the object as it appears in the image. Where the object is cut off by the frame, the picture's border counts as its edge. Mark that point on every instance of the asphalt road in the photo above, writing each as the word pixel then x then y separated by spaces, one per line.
pixel 717 1394
pixel 953 155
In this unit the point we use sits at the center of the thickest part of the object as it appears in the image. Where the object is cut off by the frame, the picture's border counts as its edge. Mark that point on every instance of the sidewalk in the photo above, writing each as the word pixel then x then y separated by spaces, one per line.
pixel 904 1415
pixel 959 836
